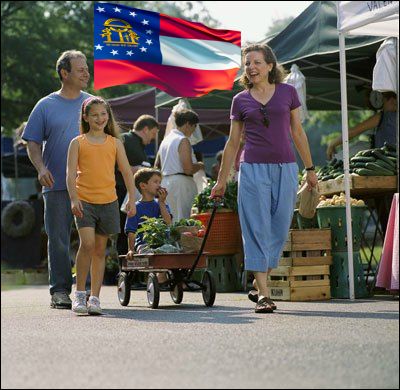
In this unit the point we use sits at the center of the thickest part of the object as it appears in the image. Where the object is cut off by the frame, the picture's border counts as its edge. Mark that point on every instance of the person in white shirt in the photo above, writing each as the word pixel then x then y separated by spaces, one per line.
pixel 178 164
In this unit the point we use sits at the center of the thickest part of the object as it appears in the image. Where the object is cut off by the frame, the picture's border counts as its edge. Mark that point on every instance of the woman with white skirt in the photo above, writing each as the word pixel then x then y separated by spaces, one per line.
pixel 178 164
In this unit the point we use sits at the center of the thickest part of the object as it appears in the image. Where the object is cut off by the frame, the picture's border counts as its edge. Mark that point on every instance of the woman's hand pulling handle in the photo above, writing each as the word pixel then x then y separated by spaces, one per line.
pixel 218 190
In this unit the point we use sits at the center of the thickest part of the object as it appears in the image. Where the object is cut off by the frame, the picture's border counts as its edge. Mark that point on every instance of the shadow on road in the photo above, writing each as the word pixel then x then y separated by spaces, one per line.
pixel 382 315
pixel 230 315
pixel 186 314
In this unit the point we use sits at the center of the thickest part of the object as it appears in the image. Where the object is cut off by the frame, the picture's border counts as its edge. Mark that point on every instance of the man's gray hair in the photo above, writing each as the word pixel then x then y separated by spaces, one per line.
pixel 64 61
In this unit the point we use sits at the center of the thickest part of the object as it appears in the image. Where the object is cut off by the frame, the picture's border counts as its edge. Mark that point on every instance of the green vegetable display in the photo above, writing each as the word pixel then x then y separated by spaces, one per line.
pixel 155 232
pixel 203 202
pixel 375 162
pixel 332 170
pixel 371 162
pixel 187 222
pixel 174 232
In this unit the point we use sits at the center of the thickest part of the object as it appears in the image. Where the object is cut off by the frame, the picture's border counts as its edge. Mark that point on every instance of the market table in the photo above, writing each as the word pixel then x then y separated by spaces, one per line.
pixel 360 186
pixel 376 188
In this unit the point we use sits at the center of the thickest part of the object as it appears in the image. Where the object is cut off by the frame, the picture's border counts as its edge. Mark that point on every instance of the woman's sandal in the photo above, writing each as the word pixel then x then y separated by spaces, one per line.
pixel 263 306
pixel 253 296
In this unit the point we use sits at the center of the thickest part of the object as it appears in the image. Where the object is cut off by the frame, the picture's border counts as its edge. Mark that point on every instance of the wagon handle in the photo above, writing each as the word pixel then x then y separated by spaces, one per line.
pixel 217 202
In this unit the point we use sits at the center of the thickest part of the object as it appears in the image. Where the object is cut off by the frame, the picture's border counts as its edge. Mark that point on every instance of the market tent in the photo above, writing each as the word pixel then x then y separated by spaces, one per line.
pixel 368 18
pixel 311 41
pixel 127 109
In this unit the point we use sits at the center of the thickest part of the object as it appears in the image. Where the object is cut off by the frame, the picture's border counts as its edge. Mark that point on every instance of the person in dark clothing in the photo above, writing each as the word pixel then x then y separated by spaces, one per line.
pixel 384 122
pixel 144 131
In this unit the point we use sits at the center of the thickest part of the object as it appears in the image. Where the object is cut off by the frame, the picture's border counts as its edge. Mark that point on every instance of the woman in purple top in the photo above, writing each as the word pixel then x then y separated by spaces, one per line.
pixel 268 111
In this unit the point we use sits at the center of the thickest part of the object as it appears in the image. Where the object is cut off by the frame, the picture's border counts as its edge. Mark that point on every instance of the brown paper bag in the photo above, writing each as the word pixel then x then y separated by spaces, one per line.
pixel 308 201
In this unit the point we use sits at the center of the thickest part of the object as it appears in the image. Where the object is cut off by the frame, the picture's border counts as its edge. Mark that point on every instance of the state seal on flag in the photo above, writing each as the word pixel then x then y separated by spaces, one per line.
pixel 119 32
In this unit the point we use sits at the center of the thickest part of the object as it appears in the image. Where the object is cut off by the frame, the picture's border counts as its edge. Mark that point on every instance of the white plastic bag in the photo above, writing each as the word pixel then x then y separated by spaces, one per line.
pixel 384 74
pixel 197 136
pixel 297 79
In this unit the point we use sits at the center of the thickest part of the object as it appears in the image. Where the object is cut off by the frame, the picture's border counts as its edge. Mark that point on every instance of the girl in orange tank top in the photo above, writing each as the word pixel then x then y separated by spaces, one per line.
pixel 91 185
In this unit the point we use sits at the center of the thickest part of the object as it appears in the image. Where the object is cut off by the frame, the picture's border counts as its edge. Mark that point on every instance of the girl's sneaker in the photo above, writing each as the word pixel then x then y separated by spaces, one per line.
pixel 79 304
pixel 93 306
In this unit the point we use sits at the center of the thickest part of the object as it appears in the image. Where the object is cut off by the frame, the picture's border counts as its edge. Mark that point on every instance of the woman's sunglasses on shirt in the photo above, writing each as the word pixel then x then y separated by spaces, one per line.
pixel 263 110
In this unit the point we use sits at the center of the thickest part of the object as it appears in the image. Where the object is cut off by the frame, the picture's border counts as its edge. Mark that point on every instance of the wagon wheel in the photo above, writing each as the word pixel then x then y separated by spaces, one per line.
pixel 177 292
pixel 209 289
pixel 153 291
pixel 124 288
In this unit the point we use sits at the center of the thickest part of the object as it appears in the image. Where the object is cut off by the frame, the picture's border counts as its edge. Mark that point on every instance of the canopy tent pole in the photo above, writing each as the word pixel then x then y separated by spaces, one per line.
pixel 345 140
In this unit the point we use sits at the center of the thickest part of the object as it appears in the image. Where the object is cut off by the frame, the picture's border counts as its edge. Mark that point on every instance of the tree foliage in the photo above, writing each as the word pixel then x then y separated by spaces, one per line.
pixel 35 33
pixel 278 25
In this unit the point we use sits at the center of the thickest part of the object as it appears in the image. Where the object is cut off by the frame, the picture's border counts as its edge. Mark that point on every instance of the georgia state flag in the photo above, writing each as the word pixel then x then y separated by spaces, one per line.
pixel 180 57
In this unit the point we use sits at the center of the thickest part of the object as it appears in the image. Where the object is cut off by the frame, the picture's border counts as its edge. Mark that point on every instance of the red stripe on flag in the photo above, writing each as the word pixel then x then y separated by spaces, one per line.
pixel 180 28
pixel 173 80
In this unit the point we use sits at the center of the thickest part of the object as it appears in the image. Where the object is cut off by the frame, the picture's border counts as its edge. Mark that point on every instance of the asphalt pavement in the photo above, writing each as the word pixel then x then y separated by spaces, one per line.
pixel 330 344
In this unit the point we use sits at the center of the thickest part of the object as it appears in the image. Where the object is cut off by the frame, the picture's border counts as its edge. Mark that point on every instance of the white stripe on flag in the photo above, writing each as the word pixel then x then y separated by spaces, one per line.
pixel 199 54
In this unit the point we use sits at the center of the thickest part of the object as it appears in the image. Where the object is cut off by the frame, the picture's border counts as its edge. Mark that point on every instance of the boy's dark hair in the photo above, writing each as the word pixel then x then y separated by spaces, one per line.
pixel 144 175
pixel 145 120
pixel 186 116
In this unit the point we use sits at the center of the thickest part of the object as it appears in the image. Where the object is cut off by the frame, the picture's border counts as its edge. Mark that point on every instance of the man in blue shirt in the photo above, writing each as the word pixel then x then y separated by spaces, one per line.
pixel 51 126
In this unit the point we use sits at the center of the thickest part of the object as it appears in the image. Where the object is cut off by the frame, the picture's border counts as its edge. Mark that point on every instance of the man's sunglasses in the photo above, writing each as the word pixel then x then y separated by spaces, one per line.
pixel 263 110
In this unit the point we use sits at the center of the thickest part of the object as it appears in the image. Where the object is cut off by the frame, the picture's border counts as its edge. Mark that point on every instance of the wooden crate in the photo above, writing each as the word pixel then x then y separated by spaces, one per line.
pixel 303 272
pixel 308 239
pixel 301 283
pixel 307 247
pixel 315 293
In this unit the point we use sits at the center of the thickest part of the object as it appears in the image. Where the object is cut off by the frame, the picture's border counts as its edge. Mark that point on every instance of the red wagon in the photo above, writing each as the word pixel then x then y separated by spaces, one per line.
pixel 179 268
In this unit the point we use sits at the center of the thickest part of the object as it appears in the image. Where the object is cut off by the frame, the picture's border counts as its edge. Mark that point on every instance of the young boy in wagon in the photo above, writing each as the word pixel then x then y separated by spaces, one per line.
pixel 148 183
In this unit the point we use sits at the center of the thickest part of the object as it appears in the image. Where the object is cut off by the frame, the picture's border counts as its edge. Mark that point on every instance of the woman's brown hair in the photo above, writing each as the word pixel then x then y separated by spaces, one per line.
pixel 277 73
pixel 111 128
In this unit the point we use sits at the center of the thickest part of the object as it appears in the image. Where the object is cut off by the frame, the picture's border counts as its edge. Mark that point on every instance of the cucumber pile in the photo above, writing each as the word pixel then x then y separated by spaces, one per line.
pixel 375 162
pixel 371 162
pixel 333 170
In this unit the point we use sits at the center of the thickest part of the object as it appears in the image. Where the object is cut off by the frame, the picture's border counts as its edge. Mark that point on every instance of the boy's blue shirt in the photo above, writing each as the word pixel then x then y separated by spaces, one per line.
pixel 149 209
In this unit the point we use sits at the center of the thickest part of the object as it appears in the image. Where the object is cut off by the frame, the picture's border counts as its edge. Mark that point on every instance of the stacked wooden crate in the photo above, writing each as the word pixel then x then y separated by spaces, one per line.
pixel 303 272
